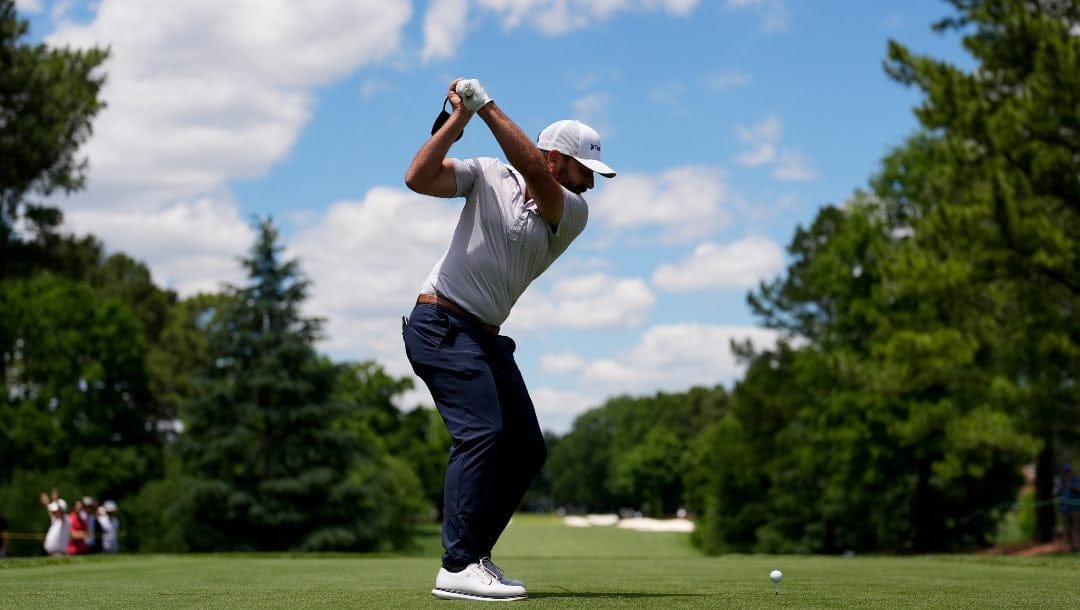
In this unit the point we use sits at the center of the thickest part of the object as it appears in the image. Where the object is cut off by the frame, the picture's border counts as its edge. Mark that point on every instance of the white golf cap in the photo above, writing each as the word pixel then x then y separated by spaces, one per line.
pixel 577 140
pixel 109 505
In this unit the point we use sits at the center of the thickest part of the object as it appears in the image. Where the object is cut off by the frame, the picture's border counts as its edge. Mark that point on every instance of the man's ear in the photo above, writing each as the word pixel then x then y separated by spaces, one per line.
pixel 553 157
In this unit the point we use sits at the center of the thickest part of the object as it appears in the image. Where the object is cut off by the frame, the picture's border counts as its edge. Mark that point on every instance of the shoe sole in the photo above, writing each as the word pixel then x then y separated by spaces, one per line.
pixel 448 594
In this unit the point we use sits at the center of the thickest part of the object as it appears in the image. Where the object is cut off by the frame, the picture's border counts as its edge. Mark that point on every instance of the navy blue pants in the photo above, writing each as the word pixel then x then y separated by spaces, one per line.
pixel 498 447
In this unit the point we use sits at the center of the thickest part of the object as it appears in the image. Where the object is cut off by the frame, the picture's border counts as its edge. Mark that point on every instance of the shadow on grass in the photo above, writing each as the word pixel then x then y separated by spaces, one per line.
pixel 606 595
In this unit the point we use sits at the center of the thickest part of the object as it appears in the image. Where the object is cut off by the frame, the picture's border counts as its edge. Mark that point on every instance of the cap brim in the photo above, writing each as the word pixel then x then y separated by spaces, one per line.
pixel 597 166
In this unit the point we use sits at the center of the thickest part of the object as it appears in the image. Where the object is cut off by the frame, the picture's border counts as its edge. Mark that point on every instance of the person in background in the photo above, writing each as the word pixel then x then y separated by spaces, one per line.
pixel 93 530
pixel 1067 491
pixel 77 521
pixel 4 538
pixel 110 527
pixel 59 534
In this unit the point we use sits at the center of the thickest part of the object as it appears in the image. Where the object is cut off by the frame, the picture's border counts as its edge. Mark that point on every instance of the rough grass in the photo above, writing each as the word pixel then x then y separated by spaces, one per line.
pixel 563 567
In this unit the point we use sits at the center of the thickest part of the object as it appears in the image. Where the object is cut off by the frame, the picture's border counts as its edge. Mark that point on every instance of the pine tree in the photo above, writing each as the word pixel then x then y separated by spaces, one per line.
pixel 993 185
pixel 269 467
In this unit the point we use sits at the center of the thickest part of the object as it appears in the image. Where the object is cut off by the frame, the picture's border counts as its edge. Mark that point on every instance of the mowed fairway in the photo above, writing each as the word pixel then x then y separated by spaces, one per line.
pixel 563 567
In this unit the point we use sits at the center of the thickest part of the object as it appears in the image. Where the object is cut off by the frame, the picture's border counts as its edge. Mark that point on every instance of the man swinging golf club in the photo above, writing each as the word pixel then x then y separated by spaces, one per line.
pixel 517 219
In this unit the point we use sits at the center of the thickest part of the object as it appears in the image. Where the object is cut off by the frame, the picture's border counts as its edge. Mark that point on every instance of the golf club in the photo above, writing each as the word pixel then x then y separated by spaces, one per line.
pixel 444 116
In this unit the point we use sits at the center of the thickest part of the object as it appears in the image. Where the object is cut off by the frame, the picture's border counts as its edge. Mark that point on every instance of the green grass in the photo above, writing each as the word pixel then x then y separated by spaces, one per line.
pixel 564 567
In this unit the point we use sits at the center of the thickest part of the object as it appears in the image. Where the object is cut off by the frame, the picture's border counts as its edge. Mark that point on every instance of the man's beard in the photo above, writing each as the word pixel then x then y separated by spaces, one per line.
pixel 562 176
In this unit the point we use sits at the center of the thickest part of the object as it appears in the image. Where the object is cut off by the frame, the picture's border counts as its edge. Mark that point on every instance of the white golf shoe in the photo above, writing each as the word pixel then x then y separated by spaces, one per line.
pixel 477 582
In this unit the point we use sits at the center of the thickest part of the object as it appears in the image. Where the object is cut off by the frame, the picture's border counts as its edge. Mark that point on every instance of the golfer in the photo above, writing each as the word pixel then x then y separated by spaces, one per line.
pixel 517 219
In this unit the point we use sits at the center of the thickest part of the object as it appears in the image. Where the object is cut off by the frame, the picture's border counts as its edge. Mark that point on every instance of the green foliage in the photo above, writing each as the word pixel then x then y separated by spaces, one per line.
pixel 48 98
pixel 417 438
pixel 99 366
pixel 881 434
pixel 273 456
pixel 627 453
pixel 650 472
pixel 934 319
pixel 76 385
pixel 994 183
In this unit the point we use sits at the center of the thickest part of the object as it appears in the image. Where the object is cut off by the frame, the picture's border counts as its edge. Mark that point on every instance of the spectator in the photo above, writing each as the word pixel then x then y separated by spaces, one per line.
pixel 56 539
pixel 1067 490
pixel 93 530
pixel 110 527
pixel 3 536
pixel 77 542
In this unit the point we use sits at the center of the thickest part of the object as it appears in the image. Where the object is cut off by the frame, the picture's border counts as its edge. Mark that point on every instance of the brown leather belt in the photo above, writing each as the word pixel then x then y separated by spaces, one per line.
pixel 447 304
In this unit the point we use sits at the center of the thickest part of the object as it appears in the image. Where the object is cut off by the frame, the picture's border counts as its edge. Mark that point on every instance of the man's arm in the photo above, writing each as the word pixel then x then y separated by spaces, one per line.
pixel 523 154
pixel 430 172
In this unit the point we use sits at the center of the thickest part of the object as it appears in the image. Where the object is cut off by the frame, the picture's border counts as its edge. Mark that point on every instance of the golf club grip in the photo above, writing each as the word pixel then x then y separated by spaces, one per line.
pixel 443 117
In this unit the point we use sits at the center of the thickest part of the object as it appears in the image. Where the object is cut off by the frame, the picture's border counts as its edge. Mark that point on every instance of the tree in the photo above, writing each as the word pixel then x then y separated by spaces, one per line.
pixel 269 462
pixel 650 473
pixel 579 465
pixel 993 186
pixel 48 98
pixel 614 458
pixel 74 396
pixel 883 428
pixel 417 438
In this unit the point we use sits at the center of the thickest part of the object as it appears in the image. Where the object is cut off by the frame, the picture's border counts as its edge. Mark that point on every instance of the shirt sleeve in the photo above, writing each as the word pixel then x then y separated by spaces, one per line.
pixel 574 217
pixel 465 173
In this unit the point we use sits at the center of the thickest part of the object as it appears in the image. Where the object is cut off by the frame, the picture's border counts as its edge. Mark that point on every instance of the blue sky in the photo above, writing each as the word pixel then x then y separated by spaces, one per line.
pixel 730 122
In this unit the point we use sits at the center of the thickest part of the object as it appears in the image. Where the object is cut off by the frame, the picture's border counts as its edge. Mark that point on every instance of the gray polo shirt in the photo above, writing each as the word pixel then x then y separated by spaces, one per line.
pixel 501 243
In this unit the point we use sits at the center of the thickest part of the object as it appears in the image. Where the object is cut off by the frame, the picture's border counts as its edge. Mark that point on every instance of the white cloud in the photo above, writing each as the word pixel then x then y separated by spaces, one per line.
pixel 685 202
pixel 370 257
pixel 741 264
pixel 198 94
pixel 763 148
pixel 373 86
pixel 793 166
pixel 761 140
pixel 190 246
pixel 28 6
pixel 589 301
pixel 562 363
pixel 592 109
pixel 775 14
pixel 725 80
pixel 202 92
pixel 553 17
pixel 367 260
pixel 445 28
pixel 673 358
pixel 668 93
pixel 557 409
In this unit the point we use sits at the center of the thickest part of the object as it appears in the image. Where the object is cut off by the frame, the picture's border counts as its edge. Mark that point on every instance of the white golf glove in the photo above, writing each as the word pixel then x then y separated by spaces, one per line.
pixel 472 94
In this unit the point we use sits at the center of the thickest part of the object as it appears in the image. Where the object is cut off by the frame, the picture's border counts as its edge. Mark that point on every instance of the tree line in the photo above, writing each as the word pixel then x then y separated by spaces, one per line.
pixel 930 349
pixel 932 344
pixel 212 419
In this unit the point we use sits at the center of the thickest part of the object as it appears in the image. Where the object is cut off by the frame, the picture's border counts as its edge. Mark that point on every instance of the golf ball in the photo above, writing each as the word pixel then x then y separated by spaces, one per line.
pixel 776 576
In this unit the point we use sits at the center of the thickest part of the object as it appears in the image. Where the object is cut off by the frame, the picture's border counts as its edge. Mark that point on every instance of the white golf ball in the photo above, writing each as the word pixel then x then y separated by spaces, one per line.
pixel 776 576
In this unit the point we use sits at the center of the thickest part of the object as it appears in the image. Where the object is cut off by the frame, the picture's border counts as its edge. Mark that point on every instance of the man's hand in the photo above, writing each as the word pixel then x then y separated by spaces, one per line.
pixel 455 99
pixel 472 93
